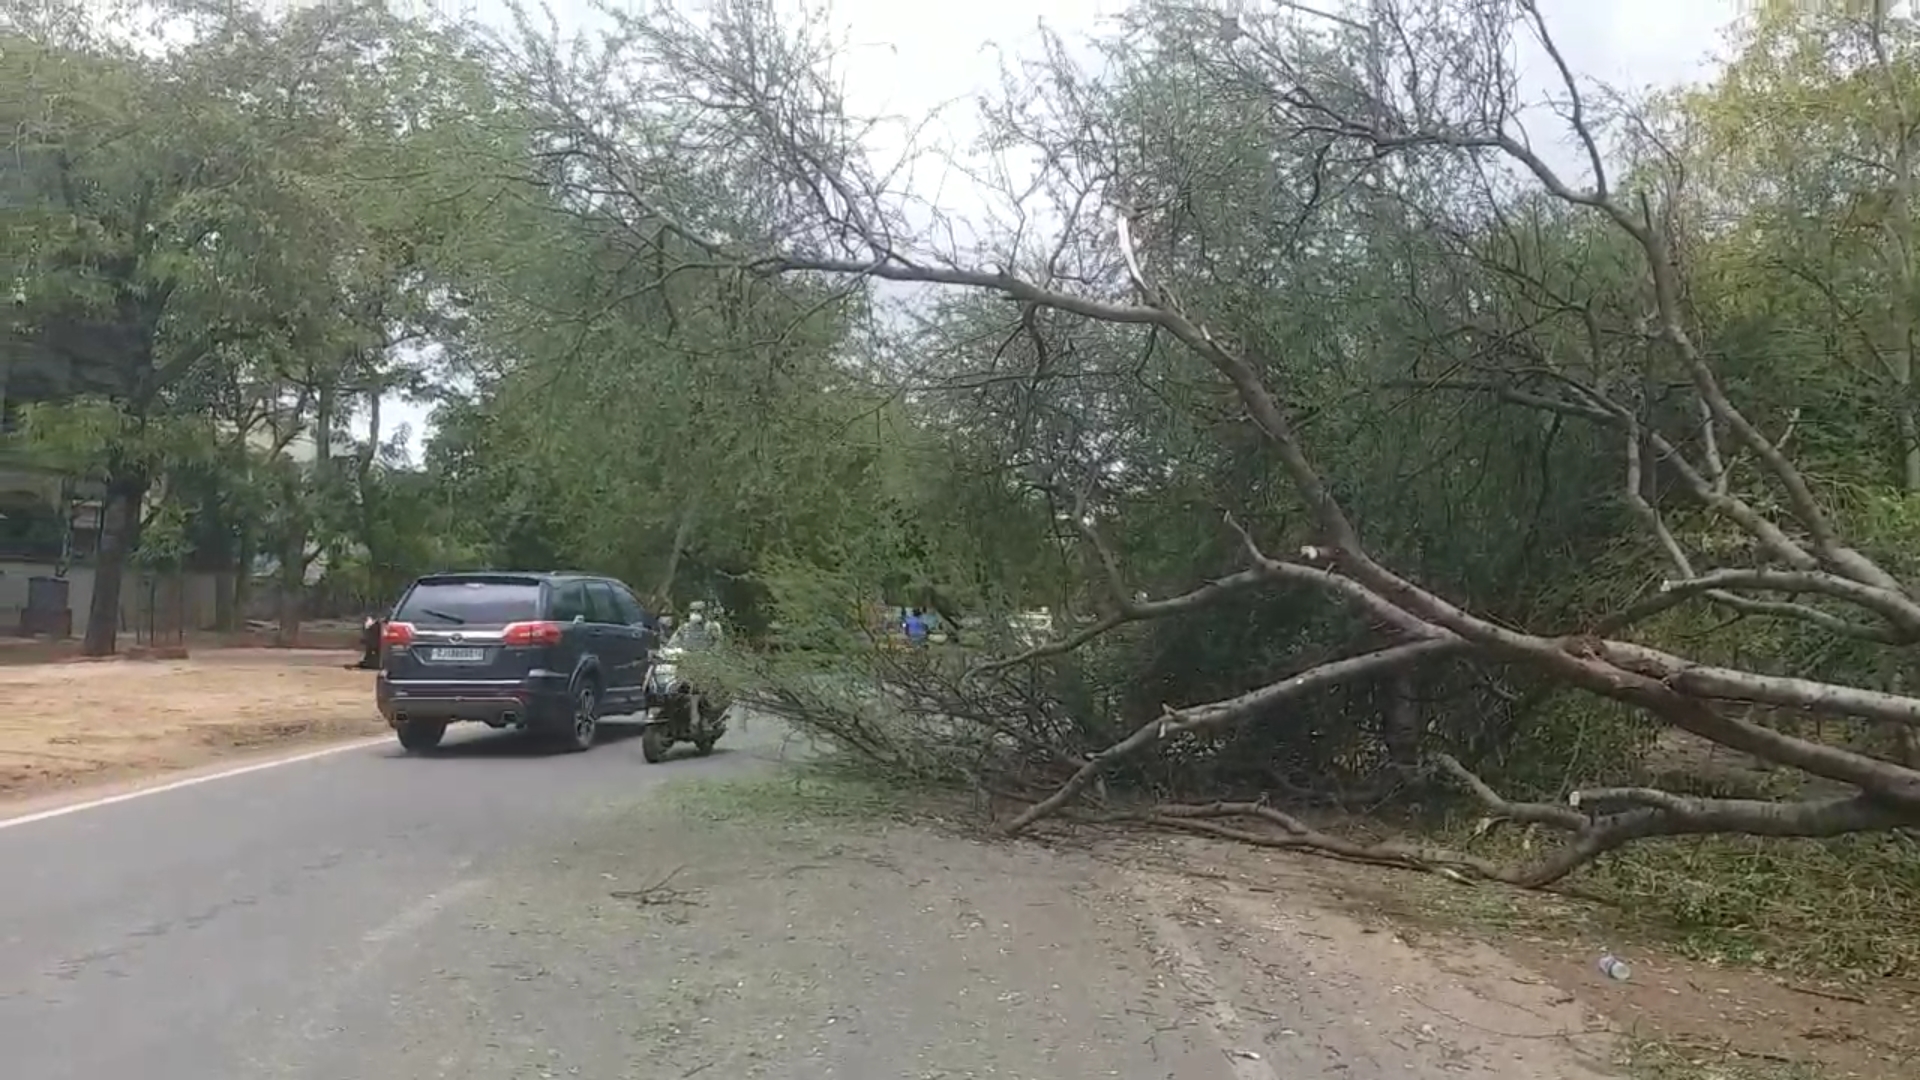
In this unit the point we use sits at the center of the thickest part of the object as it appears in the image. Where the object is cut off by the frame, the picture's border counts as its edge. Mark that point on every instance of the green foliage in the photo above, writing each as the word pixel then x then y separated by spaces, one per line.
pixel 222 250
pixel 799 795
pixel 1841 906
pixel 88 436
pixel 241 245
pixel 1566 742
pixel 1650 1059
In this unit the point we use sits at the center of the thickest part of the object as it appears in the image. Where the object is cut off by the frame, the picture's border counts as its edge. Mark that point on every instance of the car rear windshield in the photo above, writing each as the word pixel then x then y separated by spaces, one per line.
pixel 471 602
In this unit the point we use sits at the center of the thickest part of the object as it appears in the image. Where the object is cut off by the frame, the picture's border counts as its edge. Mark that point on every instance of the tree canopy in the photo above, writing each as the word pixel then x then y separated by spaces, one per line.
pixel 1354 441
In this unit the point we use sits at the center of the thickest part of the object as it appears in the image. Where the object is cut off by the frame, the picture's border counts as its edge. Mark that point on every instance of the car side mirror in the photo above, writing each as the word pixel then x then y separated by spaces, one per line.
pixel 578 619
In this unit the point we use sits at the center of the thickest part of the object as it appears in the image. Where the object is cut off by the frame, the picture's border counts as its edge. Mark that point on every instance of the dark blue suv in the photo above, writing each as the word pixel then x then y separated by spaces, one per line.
pixel 545 652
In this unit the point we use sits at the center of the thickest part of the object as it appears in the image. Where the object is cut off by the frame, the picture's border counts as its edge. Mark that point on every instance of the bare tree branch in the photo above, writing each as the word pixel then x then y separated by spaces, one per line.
pixel 1216 714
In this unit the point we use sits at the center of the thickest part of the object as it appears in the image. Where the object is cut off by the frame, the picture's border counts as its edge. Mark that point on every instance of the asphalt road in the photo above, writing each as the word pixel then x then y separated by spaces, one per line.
pixel 493 912
pixel 197 934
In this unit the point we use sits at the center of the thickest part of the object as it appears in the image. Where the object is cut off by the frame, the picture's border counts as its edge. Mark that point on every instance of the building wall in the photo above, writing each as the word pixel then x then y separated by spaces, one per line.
pixel 13 593
pixel 178 602
pixel 37 495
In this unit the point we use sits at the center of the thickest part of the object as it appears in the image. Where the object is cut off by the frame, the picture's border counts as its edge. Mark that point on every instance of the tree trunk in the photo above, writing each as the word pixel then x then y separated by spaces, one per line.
pixel 293 583
pixel 293 553
pixel 119 539
pixel 242 578
pixel 1403 723
pixel 225 585
pixel 682 536
pixel 1909 434
pixel 1899 227
pixel 292 579
pixel 379 565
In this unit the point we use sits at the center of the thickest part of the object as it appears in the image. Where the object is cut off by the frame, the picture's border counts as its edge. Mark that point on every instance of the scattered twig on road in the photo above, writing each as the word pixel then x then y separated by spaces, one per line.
pixel 660 892
pixel 1830 995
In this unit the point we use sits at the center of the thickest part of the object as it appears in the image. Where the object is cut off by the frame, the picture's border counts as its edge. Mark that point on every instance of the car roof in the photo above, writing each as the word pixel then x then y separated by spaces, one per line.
pixel 509 575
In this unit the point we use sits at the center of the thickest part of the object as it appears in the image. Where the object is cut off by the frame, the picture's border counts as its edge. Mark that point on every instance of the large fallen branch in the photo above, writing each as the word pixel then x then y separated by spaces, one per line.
pixel 1598 821
pixel 1295 835
pixel 853 241
pixel 1651 813
pixel 1648 814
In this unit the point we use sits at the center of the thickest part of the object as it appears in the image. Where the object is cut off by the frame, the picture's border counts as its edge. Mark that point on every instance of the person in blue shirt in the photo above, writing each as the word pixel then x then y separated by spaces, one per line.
pixel 915 625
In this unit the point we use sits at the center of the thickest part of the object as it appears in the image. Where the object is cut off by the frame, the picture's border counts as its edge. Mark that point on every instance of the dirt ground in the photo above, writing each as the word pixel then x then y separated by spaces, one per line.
pixel 1712 1022
pixel 66 724
pixel 1286 965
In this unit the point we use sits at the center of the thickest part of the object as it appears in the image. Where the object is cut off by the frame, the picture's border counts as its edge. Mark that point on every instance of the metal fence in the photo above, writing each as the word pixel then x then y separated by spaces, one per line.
pixel 157 611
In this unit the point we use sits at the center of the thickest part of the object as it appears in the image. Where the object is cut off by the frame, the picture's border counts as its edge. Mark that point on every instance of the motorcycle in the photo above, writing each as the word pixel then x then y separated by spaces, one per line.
pixel 679 712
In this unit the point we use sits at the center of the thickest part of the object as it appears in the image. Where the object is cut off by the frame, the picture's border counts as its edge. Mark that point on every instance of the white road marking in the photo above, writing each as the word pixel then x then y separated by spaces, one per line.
pixel 190 781
pixel 330 989
pixel 416 917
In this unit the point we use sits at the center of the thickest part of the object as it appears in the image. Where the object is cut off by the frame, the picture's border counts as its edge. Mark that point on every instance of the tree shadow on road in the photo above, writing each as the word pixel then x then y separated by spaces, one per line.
pixel 517 744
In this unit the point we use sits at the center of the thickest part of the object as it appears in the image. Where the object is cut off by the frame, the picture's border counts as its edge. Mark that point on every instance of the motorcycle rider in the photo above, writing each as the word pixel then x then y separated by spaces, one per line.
pixel 370 632
pixel 916 628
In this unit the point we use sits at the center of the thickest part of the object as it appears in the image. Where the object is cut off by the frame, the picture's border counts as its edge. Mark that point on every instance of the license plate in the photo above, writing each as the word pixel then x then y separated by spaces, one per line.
pixel 460 655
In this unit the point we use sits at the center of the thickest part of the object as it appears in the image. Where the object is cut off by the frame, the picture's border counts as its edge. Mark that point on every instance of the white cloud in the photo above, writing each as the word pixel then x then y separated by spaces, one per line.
pixel 1636 43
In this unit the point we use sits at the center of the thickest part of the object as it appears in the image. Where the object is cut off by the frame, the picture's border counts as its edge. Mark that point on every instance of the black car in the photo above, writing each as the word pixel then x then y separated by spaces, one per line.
pixel 546 652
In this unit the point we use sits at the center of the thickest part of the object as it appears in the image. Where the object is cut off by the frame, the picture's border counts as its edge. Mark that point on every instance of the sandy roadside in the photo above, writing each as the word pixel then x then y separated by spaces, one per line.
pixel 65 725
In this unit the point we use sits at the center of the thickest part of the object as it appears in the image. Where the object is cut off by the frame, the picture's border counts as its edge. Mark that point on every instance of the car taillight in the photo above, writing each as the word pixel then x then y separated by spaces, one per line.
pixel 531 633
pixel 397 634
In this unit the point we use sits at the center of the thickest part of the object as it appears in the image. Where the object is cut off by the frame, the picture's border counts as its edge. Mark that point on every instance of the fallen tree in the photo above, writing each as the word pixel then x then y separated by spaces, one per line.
pixel 1438 97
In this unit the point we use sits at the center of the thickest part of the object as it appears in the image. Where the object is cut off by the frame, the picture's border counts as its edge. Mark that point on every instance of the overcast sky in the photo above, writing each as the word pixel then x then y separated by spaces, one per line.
pixel 908 59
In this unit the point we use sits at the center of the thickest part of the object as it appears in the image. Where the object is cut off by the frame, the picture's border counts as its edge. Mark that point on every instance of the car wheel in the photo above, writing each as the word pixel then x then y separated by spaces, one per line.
pixel 584 724
pixel 653 744
pixel 418 735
